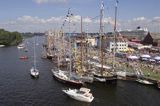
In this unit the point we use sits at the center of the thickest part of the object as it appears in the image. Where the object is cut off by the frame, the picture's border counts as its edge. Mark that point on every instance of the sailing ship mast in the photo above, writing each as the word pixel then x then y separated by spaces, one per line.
pixel 62 36
pixel 101 35
pixel 34 52
pixel 81 46
pixel 69 15
pixel 87 46
pixel 59 48
pixel 115 35
pixel 33 71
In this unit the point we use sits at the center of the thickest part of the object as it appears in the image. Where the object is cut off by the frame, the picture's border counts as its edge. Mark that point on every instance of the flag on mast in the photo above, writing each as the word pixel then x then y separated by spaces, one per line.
pixel 117 3
pixel 102 4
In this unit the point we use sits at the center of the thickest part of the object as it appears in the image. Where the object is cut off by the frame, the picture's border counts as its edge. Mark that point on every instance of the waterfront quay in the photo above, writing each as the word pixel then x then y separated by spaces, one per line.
pixel 139 59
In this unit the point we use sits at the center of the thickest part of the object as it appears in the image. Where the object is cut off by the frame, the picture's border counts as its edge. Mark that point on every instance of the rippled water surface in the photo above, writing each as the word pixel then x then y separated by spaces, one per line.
pixel 17 88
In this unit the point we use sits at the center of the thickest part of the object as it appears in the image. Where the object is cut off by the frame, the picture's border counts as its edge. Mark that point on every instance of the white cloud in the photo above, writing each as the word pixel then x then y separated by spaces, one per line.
pixel 29 19
pixel 37 20
pixel 107 20
pixel 87 20
pixel 30 23
pixel 156 20
pixel 49 1
pixel 139 19
pixel 76 18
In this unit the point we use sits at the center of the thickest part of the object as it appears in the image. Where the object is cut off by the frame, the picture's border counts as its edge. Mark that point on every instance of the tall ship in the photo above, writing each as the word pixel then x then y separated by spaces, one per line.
pixel 65 76
pixel 102 74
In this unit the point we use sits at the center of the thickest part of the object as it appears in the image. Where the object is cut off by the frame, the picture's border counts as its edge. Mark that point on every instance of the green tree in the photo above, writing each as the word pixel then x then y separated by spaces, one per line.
pixel 9 38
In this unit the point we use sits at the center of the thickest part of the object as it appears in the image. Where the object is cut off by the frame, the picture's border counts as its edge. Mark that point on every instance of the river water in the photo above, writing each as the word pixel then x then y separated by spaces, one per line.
pixel 17 88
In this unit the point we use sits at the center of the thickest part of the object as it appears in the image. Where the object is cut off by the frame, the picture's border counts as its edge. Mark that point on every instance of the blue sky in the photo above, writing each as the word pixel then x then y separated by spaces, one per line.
pixel 41 15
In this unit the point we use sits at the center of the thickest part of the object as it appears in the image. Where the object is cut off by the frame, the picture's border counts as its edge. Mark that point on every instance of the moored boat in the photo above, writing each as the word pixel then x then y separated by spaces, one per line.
pixel 105 78
pixel 85 78
pixel 26 50
pixel 49 56
pixel 111 79
pixel 2 45
pixel 99 78
pixel 144 81
pixel 121 75
pixel 158 84
pixel 63 77
pixel 20 46
pixel 81 94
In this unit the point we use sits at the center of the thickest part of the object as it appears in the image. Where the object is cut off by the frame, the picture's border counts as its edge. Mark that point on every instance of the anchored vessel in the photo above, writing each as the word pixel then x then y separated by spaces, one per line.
pixel 144 81
pixel 21 46
pixel 64 78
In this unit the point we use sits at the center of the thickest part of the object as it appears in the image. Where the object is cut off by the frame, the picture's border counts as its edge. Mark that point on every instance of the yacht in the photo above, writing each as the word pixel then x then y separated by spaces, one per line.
pixel 81 94
pixel 34 72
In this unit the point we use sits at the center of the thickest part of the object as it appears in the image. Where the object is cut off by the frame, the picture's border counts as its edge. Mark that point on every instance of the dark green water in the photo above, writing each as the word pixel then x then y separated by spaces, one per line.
pixel 17 88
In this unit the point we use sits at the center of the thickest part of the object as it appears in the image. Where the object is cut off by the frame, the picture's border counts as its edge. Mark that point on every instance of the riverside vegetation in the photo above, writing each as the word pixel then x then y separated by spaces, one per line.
pixel 9 38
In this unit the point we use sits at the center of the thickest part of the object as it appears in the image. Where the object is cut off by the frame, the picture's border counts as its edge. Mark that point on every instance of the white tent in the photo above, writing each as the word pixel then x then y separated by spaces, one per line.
pixel 133 57
pixel 157 58
pixel 145 56
pixel 152 60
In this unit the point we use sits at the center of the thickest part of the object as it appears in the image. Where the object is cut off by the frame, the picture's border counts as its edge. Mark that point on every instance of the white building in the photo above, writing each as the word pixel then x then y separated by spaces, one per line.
pixel 121 44
pixel 92 41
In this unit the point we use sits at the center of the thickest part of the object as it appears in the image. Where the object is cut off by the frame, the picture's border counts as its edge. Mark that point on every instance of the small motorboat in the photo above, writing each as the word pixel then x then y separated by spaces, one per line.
pixel 2 45
pixel 81 94
pixel 21 46
pixel 143 81
pixel 26 50
pixel 34 72
pixel 23 57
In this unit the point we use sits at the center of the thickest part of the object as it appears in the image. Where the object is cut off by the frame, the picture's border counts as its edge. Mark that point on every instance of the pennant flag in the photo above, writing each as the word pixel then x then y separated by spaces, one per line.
pixel 117 2
pixel 69 11
pixel 102 5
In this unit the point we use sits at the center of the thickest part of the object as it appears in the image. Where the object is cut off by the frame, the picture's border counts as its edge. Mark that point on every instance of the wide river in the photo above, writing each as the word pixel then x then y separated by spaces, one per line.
pixel 17 88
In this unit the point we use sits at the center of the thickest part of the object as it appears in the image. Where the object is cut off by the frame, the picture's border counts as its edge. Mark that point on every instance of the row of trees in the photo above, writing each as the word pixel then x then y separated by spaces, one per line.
pixel 9 38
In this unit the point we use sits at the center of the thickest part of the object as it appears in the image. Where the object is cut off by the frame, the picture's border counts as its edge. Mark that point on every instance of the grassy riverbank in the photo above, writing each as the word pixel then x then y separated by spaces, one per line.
pixel 149 73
